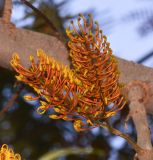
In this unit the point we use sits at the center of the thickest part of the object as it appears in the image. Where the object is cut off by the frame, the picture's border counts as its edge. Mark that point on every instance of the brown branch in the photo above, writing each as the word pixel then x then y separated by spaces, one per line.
pixel 40 14
pixel 26 42
pixel 138 97
pixel 54 31
pixel 7 12
pixel 116 132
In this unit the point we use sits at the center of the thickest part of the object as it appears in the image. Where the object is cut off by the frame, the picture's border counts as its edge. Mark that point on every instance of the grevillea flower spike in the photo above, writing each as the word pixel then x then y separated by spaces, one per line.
pixel 95 66
pixel 87 94
pixel 7 154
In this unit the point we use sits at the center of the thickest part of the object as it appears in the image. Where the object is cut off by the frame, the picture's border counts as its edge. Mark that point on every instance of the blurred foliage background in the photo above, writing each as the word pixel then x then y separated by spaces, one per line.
pixel 38 137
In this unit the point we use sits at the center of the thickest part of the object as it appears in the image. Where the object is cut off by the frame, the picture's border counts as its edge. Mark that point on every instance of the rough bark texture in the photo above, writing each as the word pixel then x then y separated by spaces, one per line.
pixel 26 42
pixel 140 96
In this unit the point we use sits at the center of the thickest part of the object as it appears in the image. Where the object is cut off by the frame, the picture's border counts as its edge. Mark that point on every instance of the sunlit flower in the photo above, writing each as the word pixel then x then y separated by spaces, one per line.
pixel 89 93
pixel 7 154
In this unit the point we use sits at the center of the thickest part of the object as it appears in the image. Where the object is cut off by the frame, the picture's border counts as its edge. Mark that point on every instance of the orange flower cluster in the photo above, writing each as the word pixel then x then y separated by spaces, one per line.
pixel 95 66
pixel 8 154
pixel 89 93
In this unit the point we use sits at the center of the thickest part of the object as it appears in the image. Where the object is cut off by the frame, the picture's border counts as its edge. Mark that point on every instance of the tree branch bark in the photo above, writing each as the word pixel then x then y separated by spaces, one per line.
pixel 26 42
pixel 138 96
pixel 7 12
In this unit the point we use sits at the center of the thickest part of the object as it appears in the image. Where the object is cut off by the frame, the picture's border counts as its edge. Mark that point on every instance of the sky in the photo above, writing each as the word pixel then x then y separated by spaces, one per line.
pixel 123 35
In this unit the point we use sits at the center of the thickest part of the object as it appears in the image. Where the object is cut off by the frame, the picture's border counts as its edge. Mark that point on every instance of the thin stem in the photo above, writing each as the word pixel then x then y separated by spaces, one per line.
pixel 10 102
pixel 55 32
pixel 123 135
pixel 40 14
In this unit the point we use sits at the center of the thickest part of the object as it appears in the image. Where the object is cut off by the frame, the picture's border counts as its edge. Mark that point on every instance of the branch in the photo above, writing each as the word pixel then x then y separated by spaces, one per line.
pixel 10 102
pixel 26 42
pixel 7 12
pixel 138 97
pixel 116 132
pixel 54 31
pixel 40 14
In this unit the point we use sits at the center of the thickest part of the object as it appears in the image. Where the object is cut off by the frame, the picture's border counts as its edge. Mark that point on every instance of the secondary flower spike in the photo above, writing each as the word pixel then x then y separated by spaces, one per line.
pixel 88 94
pixel 7 154
pixel 94 64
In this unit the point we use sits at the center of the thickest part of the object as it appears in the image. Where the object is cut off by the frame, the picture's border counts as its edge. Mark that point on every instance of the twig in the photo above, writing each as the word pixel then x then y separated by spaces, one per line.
pixel 136 147
pixel 11 101
pixel 55 32
pixel 40 14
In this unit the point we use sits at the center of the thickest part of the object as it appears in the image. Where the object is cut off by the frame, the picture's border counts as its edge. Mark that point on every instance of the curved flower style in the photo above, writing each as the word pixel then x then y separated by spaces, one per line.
pixel 89 93
pixel 95 65
pixel 8 154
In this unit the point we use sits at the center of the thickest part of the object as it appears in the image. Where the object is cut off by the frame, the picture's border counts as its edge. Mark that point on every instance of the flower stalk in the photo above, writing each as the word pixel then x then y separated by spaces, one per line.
pixel 117 132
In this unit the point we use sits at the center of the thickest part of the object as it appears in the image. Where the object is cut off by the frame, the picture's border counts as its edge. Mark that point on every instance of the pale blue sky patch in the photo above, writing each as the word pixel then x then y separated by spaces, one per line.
pixel 117 142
